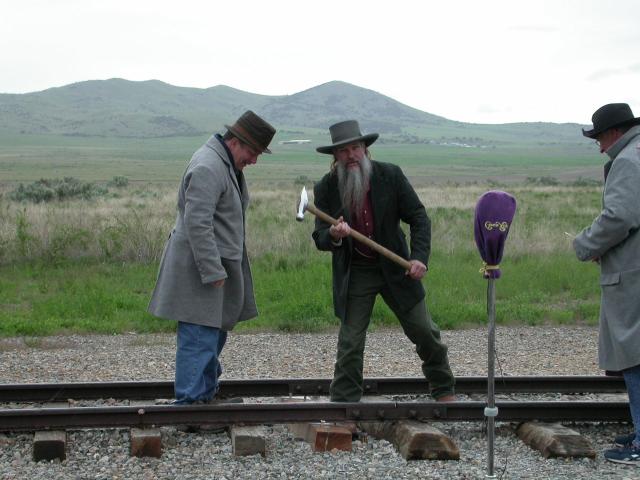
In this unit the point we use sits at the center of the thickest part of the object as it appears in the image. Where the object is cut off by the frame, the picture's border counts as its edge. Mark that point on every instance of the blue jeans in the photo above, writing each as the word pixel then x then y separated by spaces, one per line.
pixel 197 364
pixel 632 380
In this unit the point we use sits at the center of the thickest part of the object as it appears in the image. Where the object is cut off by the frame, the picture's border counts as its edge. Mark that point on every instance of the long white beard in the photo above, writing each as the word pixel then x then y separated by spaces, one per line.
pixel 353 184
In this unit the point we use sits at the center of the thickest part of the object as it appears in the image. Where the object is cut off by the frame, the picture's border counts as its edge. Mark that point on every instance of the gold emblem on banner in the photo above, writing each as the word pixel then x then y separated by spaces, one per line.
pixel 502 226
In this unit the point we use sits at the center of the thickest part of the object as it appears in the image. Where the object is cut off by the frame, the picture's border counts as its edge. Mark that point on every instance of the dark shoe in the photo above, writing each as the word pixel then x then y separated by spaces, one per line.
pixel 624 440
pixel 216 427
pixel 627 455
pixel 209 427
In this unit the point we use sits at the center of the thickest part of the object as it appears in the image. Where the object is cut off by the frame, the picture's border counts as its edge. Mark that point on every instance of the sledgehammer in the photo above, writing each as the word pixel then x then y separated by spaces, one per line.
pixel 306 206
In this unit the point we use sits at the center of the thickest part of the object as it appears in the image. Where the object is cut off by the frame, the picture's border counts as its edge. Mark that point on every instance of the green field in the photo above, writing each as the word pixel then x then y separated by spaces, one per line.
pixel 26 158
pixel 89 265
pixel 111 297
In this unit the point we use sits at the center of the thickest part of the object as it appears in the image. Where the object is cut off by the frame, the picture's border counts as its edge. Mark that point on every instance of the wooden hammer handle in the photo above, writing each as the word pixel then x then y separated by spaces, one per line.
pixel 362 239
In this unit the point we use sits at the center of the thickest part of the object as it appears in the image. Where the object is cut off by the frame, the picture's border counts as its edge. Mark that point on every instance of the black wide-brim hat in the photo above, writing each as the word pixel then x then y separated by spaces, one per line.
pixel 344 133
pixel 253 130
pixel 608 116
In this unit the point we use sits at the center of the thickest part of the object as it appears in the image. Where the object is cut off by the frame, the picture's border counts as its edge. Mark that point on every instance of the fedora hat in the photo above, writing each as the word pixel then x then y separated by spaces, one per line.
pixel 609 116
pixel 344 133
pixel 253 130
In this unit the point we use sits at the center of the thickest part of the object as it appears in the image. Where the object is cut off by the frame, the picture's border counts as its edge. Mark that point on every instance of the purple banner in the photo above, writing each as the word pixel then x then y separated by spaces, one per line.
pixel 494 214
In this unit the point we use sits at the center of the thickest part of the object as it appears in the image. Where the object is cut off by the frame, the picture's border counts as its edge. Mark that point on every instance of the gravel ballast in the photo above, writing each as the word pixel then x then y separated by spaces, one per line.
pixel 104 454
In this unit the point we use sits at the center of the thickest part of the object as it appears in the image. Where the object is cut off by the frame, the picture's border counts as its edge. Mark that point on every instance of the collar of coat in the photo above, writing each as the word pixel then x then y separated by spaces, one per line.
pixel 219 147
pixel 623 141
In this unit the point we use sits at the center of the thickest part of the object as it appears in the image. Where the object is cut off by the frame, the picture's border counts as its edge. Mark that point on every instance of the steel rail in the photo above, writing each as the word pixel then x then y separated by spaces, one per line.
pixel 30 419
pixel 40 392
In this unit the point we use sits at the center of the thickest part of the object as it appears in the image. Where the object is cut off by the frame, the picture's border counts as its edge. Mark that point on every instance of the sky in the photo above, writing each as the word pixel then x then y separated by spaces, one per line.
pixel 467 60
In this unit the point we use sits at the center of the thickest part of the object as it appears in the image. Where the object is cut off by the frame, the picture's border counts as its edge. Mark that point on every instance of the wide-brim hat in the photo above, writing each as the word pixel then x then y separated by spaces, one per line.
pixel 253 130
pixel 344 133
pixel 610 116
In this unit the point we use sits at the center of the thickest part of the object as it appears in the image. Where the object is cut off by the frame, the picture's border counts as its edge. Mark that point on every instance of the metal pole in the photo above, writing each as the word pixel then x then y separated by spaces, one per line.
pixel 491 411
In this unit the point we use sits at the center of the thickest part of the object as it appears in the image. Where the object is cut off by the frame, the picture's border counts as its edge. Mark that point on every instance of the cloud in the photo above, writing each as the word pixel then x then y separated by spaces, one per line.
pixel 605 73
pixel 488 109
pixel 534 28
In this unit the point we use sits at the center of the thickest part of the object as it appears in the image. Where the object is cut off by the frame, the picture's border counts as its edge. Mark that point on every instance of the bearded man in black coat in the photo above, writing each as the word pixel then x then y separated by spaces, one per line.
pixel 373 197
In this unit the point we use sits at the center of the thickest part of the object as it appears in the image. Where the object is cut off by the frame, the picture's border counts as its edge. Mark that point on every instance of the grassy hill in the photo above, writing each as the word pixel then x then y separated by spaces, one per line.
pixel 321 106
pixel 121 108
pixel 151 109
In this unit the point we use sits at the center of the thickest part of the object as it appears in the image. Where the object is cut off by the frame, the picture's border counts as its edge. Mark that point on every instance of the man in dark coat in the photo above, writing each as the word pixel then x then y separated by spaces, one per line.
pixel 372 198
pixel 613 241
pixel 204 281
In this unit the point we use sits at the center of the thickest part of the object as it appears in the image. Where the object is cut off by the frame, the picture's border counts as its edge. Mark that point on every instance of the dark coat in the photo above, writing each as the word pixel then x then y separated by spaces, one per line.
pixel 393 199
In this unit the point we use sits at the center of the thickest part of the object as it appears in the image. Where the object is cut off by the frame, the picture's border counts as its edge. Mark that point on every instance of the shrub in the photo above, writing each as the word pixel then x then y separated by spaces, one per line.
pixel 36 192
pixel 542 181
pixel 586 182
pixel 67 241
pixel 492 183
pixel 47 190
pixel 118 181
pixel 301 180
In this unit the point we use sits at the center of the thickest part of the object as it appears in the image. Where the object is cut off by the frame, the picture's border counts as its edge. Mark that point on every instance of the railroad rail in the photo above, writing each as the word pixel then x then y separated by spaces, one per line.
pixel 41 392
pixel 29 419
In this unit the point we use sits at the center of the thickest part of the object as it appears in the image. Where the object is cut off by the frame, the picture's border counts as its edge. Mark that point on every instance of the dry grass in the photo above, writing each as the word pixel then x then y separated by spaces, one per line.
pixel 134 226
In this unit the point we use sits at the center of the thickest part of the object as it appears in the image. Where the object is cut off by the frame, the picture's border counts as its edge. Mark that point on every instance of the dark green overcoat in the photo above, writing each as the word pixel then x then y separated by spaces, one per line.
pixel 393 200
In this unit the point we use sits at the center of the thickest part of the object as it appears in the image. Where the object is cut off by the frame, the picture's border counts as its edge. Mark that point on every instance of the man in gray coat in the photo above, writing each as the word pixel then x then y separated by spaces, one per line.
pixel 613 241
pixel 204 280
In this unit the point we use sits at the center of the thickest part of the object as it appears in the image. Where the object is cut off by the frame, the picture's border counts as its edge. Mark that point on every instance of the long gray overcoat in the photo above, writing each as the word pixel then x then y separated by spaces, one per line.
pixel 207 244
pixel 614 237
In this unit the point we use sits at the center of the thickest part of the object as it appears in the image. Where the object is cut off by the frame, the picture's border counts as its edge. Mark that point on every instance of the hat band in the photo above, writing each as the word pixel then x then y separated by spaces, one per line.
pixel 247 137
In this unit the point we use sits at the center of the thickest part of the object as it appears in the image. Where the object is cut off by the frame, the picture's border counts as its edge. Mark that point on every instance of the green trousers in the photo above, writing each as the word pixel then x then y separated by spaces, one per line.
pixel 365 283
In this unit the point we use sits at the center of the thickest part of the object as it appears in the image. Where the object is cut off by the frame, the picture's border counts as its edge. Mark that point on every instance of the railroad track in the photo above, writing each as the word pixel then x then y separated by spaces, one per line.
pixel 30 419
pixel 42 392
